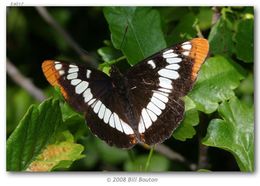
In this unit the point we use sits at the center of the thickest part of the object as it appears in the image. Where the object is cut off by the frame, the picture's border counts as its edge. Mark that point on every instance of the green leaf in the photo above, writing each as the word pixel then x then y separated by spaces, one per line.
pixel 59 155
pixel 67 111
pixel 247 85
pixel 158 163
pixel 136 31
pixel 191 118
pixel 220 37
pixel 186 129
pixel 218 78
pixel 244 39
pixel 205 18
pixel 74 122
pixel 234 132
pixel 111 155
pixel 245 91
pixel 110 55
pixel 170 14
pixel 183 30
pixel 32 134
pixel 18 101
pixel 108 52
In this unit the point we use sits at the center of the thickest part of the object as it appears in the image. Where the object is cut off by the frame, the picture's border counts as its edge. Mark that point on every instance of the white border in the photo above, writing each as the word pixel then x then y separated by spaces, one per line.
pixel 80 178
pixel 133 3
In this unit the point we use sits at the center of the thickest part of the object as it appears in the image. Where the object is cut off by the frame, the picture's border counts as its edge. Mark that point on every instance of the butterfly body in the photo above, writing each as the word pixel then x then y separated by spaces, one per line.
pixel 142 105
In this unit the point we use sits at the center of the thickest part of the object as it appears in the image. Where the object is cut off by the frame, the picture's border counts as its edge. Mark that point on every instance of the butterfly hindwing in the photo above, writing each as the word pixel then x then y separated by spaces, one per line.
pixel 108 120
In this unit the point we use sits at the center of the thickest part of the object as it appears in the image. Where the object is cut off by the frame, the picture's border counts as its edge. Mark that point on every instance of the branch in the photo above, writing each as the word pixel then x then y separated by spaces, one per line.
pixel 169 153
pixel 48 18
pixel 24 82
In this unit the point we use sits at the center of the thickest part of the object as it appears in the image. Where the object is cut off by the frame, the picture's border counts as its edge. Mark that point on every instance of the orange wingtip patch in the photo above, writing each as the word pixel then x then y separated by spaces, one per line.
pixel 52 75
pixel 199 52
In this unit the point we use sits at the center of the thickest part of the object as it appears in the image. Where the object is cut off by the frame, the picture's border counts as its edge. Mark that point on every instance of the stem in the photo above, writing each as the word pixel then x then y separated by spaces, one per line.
pixel 197 28
pixel 116 60
pixel 148 161
pixel 172 155
pixel 198 31
pixel 109 63
pixel 131 155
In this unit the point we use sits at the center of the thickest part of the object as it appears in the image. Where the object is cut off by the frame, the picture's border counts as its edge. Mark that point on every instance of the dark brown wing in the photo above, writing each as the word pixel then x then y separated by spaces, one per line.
pixel 157 85
pixel 91 91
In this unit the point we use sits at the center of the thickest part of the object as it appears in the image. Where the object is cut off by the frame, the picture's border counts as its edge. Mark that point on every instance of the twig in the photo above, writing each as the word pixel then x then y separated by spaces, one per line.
pixel 197 28
pixel 169 153
pixel 199 33
pixel 216 15
pixel 48 18
pixel 203 156
pixel 24 82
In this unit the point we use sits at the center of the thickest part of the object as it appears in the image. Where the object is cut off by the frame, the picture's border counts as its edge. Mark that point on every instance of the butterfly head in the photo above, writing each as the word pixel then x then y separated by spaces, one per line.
pixel 115 73
pixel 117 78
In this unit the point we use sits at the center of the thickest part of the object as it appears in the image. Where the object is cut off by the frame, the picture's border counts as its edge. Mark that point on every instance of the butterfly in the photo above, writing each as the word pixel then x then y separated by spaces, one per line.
pixel 142 105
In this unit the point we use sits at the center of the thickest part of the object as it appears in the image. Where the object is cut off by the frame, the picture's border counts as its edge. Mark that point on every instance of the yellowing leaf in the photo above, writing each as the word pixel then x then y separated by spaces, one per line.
pixel 33 134
pixel 55 154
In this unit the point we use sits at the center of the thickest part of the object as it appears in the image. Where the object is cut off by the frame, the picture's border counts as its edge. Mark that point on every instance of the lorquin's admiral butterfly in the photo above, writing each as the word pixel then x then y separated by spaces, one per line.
pixel 142 105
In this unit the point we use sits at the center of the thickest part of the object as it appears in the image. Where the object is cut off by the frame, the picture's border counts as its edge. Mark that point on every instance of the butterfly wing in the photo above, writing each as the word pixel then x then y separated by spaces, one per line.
pixel 157 84
pixel 92 92
pixel 152 107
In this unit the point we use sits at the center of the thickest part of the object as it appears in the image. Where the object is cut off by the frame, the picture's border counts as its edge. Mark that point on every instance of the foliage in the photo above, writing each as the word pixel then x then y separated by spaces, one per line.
pixel 32 145
pixel 219 76
pixel 219 109
pixel 158 163
pixel 135 23
pixel 191 119
pixel 234 132
pixel 59 155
